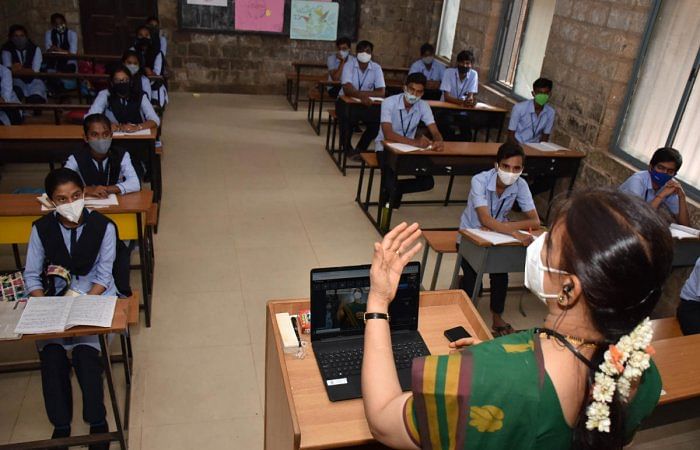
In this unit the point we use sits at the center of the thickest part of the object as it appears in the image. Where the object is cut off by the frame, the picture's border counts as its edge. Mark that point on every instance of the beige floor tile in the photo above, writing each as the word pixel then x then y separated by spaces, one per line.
pixel 183 272
pixel 269 230
pixel 240 433
pixel 13 388
pixel 289 267
pixel 200 384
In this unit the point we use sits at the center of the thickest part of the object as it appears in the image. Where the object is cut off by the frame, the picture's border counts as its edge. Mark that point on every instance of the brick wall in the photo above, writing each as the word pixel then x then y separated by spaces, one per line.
pixel 35 16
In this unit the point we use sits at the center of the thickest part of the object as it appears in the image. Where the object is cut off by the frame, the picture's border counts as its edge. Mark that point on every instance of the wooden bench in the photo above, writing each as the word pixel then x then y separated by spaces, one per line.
pixel 291 78
pixel 370 161
pixel 60 110
pixel 441 242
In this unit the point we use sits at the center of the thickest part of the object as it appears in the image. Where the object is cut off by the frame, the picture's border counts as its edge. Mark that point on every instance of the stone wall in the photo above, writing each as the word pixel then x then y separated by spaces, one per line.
pixel 35 16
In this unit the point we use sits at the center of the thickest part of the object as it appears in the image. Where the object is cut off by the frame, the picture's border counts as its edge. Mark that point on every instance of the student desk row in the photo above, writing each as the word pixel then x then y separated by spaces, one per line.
pixel 53 144
pixel 19 211
pixel 56 108
pixel 93 58
pixel 294 81
pixel 123 318
pixel 465 158
pixel 298 414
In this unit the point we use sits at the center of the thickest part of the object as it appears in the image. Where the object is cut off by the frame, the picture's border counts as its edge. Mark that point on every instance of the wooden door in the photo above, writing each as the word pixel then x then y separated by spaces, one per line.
pixel 109 26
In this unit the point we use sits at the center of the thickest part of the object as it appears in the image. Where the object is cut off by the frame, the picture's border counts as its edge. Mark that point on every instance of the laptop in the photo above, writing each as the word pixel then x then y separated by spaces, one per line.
pixel 338 302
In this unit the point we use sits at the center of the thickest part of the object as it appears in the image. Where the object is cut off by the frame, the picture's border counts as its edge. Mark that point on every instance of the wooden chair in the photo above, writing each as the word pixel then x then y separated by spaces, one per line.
pixel 441 242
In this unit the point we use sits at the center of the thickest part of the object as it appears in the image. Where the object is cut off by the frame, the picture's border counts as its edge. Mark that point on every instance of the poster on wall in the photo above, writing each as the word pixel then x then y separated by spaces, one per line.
pixel 259 15
pixel 314 20
pixel 223 3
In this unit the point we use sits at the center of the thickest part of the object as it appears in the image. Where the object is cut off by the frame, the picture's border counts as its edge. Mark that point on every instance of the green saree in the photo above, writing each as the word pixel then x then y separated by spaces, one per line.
pixel 497 395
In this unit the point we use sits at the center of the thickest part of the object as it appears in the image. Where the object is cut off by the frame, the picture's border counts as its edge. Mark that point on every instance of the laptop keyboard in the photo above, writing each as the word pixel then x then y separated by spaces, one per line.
pixel 343 363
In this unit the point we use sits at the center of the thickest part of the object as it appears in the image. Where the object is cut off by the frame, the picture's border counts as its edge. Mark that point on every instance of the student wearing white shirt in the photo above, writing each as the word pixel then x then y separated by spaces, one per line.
pixel 24 58
pixel 152 60
pixel 658 188
pixel 491 198
pixel 361 78
pixel 7 95
pixel 428 66
pixel 400 117
pixel 59 39
pixel 130 59
pixel 689 308
pixel 531 121
pixel 154 25
pixel 459 86
pixel 336 62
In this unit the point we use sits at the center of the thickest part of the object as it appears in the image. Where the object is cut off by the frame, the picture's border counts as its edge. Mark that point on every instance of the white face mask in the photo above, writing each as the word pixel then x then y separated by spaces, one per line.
pixel 427 60
pixel 364 57
pixel 133 68
pixel 410 98
pixel 344 53
pixel 507 178
pixel 73 210
pixel 534 269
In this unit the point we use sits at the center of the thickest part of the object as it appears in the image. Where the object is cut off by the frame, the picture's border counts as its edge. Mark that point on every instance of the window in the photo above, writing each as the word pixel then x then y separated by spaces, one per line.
pixel 525 26
pixel 448 25
pixel 663 106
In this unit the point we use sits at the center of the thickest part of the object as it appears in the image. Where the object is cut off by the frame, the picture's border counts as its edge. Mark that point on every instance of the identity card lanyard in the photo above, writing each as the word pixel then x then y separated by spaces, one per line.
pixel 536 126
pixel 461 84
pixel 500 206
pixel 361 80
pixel 410 117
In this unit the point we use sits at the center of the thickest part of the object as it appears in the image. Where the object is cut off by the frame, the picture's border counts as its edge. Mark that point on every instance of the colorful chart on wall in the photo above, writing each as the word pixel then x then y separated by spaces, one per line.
pixel 208 2
pixel 314 20
pixel 259 15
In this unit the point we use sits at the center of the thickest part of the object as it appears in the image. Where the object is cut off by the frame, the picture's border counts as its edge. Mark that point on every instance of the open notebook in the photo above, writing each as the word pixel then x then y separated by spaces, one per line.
pixel 547 147
pixel 57 314
pixel 405 147
pixel 144 132
pixel 682 232
pixel 493 237
pixel 90 202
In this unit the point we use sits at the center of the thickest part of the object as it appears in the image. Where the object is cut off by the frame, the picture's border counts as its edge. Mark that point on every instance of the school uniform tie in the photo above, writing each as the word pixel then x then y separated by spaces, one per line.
pixel 73 240
pixel 102 171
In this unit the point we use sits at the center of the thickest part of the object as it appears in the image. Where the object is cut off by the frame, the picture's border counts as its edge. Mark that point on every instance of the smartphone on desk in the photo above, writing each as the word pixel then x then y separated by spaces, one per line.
pixel 456 333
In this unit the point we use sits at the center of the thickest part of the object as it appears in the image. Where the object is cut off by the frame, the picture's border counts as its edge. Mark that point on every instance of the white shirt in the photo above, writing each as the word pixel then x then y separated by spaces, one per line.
pixel 372 78
pixel 101 105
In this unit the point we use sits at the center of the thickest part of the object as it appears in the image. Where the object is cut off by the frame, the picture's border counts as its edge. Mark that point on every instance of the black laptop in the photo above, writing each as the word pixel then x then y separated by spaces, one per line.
pixel 338 302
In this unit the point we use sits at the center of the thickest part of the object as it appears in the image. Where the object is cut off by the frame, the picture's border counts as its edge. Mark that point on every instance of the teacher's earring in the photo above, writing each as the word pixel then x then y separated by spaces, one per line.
pixel 562 300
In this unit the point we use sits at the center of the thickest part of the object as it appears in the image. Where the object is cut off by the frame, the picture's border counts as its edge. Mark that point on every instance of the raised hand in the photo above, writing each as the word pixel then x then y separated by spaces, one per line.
pixel 390 257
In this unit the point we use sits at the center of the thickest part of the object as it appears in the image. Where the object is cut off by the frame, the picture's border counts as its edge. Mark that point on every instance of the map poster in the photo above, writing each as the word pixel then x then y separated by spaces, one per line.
pixel 313 20
pixel 259 15
pixel 208 2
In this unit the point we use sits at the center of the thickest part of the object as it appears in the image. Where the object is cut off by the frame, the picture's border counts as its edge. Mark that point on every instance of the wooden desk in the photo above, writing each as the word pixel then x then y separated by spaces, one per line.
pixel 53 144
pixel 19 211
pixel 298 414
pixel 120 326
pixel 56 108
pixel 482 117
pixel 470 158
pixel 83 57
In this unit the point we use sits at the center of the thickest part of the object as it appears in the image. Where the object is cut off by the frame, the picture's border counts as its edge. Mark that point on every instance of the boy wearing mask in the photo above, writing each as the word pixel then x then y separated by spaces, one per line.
pixel 531 121
pixel 657 186
pixel 336 62
pixel 104 169
pixel 428 66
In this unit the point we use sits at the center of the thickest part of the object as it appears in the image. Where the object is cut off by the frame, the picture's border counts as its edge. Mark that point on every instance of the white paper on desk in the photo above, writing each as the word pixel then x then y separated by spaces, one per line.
pixel 10 312
pixel 144 132
pixel 404 147
pixel 90 202
pixel 493 237
pixel 44 315
pixel 683 232
pixel 482 105
pixel 91 310
pixel 377 99
pixel 547 147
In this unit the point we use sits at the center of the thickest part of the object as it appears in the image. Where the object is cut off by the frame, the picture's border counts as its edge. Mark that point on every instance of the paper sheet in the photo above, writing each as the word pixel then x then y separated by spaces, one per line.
pixel 92 310
pixel 10 312
pixel 482 105
pixel 44 315
pixel 546 147
pixel 683 232
pixel 493 237
pixel 377 99
pixel 144 132
pixel 404 147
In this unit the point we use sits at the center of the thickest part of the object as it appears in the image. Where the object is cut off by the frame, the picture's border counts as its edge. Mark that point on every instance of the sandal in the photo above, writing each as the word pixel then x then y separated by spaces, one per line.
pixel 503 331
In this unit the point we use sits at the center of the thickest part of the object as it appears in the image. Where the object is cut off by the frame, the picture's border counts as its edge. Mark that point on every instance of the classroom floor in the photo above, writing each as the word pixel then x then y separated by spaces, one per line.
pixel 251 203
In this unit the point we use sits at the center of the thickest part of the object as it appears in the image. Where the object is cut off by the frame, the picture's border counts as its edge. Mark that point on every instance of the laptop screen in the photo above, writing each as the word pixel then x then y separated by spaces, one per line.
pixel 339 300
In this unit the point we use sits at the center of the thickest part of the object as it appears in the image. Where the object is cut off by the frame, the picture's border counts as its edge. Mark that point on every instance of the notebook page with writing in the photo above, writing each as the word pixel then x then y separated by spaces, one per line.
pixel 404 147
pixel 145 132
pixel 91 310
pixel 682 232
pixel 493 237
pixel 44 315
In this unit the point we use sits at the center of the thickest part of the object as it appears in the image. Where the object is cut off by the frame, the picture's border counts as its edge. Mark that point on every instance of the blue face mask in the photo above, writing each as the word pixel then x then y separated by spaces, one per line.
pixel 659 178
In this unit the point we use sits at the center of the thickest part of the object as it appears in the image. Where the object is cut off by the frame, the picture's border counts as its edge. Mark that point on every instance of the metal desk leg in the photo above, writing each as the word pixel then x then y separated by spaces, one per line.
pixel 320 112
pixel 479 276
pixel 369 188
pixel 359 182
pixel 423 262
pixel 436 271
pixel 112 391
pixel 449 190
pixel 296 96
pixel 144 271
pixel 455 272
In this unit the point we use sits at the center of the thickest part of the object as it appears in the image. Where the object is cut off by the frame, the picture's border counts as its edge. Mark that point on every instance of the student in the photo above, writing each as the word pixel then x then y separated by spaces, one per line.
pixel 689 308
pixel 7 95
pixel 657 186
pixel 59 39
pixel 152 61
pixel 104 168
pixel 336 62
pixel 428 66
pixel 24 58
pixel 491 198
pixel 130 59
pixel 154 25
pixel 84 243
pixel 459 85
pixel 531 121
pixel 400 117
pixel 125 105
pixel 361 78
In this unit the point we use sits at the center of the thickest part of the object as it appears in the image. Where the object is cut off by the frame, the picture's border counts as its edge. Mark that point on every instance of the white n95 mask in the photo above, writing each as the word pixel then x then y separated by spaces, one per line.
pixel 507 178
pixel 73 210
pixel 364 57
pixel 534 269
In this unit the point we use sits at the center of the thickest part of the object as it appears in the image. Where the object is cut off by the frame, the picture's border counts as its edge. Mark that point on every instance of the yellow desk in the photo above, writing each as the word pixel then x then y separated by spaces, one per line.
pixel 19 211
